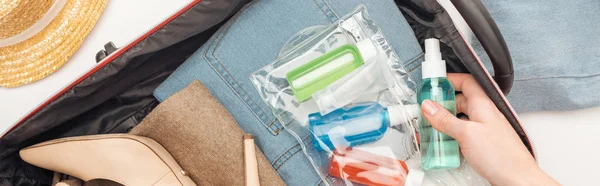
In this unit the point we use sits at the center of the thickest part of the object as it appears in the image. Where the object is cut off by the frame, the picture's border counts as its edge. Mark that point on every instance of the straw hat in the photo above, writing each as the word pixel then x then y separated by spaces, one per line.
pixel 38 36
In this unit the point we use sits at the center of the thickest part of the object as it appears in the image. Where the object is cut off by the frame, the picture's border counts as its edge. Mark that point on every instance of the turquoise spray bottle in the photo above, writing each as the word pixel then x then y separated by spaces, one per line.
pixel 438 150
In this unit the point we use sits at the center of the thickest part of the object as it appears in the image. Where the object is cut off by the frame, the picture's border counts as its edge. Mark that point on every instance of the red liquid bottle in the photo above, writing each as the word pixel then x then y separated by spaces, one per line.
pixel 367 168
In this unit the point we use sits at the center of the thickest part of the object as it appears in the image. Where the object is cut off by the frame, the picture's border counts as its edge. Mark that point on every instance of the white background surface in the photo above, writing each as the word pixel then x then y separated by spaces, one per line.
pixel 567 144
pixel 121 22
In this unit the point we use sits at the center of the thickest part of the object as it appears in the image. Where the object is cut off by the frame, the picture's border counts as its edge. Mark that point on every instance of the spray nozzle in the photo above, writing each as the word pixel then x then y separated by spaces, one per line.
pixel 432 50
pixel 433 66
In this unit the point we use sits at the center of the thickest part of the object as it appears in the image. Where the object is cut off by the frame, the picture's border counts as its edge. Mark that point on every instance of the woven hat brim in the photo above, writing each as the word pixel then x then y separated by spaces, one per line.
pixel 44 53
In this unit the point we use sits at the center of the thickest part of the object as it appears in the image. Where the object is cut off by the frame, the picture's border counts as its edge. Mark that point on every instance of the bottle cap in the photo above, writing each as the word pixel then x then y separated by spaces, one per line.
pixel 367 49
pixel 326 101
pixel 400 114
pixel 433 66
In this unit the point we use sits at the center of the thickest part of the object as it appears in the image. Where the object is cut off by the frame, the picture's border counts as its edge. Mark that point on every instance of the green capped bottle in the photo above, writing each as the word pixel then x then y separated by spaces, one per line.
pixel 330 67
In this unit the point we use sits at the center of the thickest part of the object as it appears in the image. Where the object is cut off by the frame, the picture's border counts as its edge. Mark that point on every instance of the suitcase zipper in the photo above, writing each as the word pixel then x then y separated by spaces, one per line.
pixel 533 149
pixel 530 143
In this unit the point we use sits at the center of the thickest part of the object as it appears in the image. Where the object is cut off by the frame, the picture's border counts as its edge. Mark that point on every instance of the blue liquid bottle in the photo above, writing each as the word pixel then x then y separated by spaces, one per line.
pixel 438 150
pixel 355 124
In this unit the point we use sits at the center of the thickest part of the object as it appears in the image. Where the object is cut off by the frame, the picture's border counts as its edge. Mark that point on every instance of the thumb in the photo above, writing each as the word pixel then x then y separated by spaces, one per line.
pixel 441 119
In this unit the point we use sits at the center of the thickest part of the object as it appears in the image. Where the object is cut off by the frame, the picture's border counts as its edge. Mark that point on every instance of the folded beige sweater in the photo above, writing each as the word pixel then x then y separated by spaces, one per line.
pixel 203 138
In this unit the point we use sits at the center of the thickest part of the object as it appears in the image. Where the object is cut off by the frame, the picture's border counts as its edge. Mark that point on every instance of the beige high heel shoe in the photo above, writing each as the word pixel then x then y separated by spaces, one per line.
pixel 122 158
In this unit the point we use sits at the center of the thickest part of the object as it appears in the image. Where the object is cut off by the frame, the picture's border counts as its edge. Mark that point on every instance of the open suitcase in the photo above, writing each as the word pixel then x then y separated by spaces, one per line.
pixel 118 93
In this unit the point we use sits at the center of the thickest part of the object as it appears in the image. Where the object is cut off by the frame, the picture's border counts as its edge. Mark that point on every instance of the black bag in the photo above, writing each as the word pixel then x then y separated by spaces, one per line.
pixel 117 94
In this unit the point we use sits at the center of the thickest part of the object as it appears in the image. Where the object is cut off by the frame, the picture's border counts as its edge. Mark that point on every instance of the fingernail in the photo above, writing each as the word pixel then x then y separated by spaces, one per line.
pixel 429 107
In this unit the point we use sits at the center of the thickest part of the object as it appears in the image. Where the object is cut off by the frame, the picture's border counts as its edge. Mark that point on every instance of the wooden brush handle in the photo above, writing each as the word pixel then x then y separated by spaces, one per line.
pixel 250 161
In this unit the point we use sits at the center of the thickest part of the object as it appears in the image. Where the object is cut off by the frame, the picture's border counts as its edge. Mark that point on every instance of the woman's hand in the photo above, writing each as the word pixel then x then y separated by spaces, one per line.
pixel 487 141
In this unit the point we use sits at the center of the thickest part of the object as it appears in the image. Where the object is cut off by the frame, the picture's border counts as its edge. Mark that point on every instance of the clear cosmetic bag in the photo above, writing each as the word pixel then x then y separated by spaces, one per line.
pixel 342 91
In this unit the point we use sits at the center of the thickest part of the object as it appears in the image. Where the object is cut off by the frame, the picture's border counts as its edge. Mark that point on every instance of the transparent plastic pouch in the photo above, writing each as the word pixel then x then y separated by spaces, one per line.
pixel 318 62
pixel 344 94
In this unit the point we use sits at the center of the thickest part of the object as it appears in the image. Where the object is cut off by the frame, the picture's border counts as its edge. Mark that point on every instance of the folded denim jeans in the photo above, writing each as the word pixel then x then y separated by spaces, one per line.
pixel 555 52
pixel 252 39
